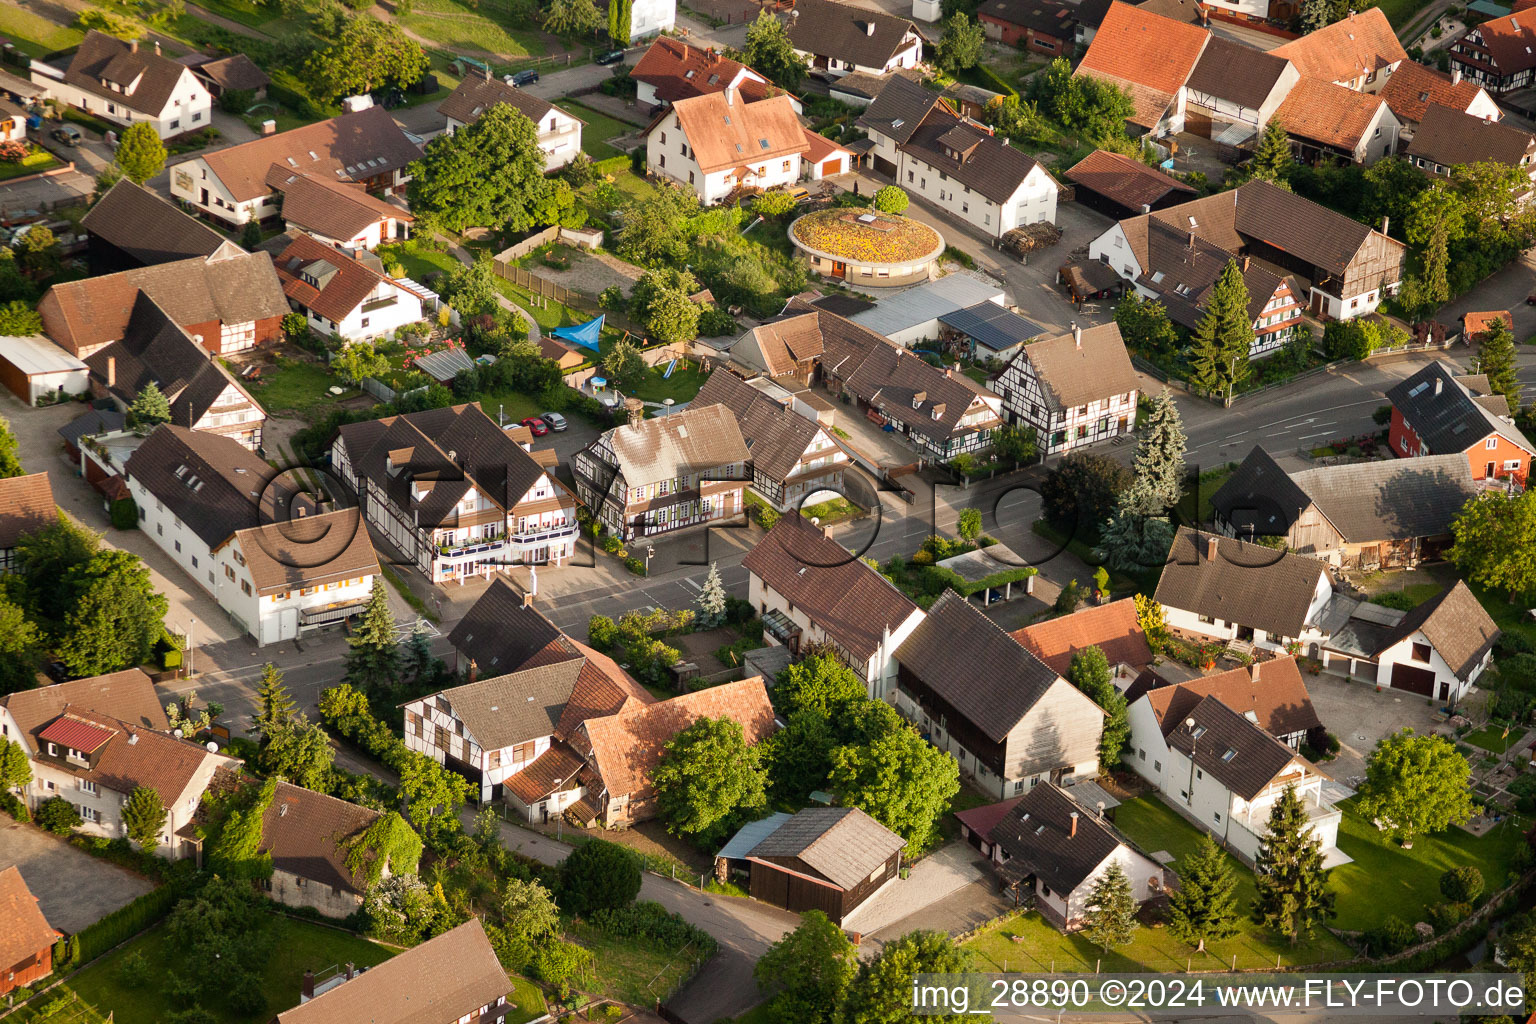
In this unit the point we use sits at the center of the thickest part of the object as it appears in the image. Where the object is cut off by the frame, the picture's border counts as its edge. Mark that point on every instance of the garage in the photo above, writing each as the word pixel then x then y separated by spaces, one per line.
pixel 32 366
pixel 826 158
pixel 1413 679
pixel 831 167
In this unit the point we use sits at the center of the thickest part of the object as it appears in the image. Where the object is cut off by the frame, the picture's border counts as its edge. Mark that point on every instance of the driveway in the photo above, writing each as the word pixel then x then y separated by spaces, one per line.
pixel 73 889
pixel 907 903
pixel 1359 716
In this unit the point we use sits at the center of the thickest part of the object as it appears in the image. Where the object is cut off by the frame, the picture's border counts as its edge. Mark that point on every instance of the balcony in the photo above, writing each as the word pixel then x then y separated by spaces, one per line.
pixel 546 534
pixel 459 552
pixel 384 303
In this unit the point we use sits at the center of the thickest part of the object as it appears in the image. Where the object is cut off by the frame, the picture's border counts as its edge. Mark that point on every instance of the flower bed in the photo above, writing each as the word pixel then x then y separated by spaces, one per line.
pixel 876 238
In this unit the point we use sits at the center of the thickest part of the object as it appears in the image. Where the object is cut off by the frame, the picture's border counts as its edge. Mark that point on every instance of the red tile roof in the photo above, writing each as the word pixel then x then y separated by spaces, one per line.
pixel 76 734
pixel 1347 49
pixel 1413 88
pixel 1147 49
pixel 24 932
pixel 1272 691
pixel 1318 110
pixel 726 131
pixel 1478 323
pixel 1112 628
pixel 26 506
pixel 344 292
pixel 1508 42
pixel 982 820
pixel 678 71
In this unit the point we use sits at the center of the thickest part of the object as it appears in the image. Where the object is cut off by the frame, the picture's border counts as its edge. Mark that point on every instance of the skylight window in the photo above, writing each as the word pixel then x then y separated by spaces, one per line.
pixel 714 79
pixel 1417 389
pixel 763 143
pixel 292 162
pixel 1157 277
pixel 1197 731
pixel 1229 755
pixel 898 122
pixel 726 118
pixel 689 74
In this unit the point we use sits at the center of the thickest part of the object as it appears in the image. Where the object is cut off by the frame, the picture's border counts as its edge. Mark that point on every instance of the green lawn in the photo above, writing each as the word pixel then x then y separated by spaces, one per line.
pixel 1493 738
pixel 1195 506
pixel 298 946
pixel 246 12
pixel 528 1000
pixel 35 162
pixel 459 28
pixel 634 971
pixel 759 1014
pixel 296 385
pixel 515 406
pixel 35 34
pixel 1387 879
pixel 1510 617
pixel 1401 12
pixel 596 130
pixel 70 1009
pixel 681 387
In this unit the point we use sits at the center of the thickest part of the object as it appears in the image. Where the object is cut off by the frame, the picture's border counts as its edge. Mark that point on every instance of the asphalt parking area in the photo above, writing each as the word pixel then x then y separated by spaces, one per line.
pixel 73 889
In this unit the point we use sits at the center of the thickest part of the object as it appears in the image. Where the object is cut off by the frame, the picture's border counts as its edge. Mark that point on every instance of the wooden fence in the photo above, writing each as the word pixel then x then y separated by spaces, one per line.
pixel 526 246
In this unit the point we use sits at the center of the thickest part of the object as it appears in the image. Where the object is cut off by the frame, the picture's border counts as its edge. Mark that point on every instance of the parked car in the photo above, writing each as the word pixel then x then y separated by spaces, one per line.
pixel 525 77
pixel 555 420
pixel 799 194
pixel 538 426
pixel 67 135
pixel 611 57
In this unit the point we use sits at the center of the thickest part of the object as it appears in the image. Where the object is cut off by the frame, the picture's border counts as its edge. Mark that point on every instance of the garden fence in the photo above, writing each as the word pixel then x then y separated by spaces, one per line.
pixel 384 393
pixel 526 246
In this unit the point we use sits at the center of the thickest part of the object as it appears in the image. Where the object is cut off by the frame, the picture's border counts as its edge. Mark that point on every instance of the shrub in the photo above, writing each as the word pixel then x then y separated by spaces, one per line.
pixel 56 815
pixel 1393 935
pixel 611 544
pixel 635 566
pixel 125 514
pixel 602 634
pixel 123 923
pixel 1070 597
pixel 716 323
pixel 651 920
pixel 555 963
pixel 1445 916
pixel 598 875
pixel 133 971
pixel 924 557
pixel 891 199
pixel 12 804
pixel 1462 884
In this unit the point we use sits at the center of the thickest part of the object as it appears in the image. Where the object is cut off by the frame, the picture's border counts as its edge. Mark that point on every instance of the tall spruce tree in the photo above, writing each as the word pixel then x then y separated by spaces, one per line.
pixel 711 600
pixel 276 704
pixel 1293 885
pixel 1219 346
pixel 1159 465
pixel 1272 161
pixel 150 406
pixel 373 663
pixel 1496 358
pixel 1205 905
pixel 1111 910
pixel 1131 541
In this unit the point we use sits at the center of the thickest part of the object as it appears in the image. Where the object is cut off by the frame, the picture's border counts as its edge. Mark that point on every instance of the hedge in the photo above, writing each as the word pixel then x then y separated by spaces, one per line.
pixel 127 921
pixel 612 165
pixel 998 85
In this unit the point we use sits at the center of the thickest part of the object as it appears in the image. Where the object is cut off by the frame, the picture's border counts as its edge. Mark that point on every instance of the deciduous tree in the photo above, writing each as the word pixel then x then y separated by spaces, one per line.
pixel 1082 490
pixel 117 617
pixel 811 967
pixel 1496 541
pixel 15 766
pixel 899 779
pixel 1294 897
pixel 769 52
pixel 1415 785
pixel 367 55
pixel 300 752
pixel 486 174
pixel 819 683
pixel 10 452
pixel 708 779
pixel 1090 673
pixel 528 910
pixel 21 649
pixel 1435 220
pixel 881 993
pixel 1204 906
pixel 140 153
pixel 18 319
pixel 1144 325
pixel 891 199
pixel 572 18
pixel 960 46
pixel 432 795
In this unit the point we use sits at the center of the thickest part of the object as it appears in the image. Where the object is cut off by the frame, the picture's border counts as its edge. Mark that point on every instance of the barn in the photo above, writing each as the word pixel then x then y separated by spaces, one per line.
pixel 829 859
pixel 32 366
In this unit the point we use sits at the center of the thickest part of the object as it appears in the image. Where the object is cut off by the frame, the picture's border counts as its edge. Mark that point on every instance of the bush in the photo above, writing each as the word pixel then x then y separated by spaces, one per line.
pixel 650 920
pixel 1462 884
pixel 766 515
pixel 598 875
pixel 12 804
pixel 602 634
pixel 56 815
pixel 635 566
pixel 716 323
pixel 1393 935
pixel 133 971
pixel 611 544
pixel 1445 916
pixel 125 514
pixel 890 199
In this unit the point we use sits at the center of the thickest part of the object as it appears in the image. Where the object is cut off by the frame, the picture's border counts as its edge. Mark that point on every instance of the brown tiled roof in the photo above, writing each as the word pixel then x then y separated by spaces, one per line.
pixel 1155 52
pixel 237 71
pixel 1128 182
pixel 786 343
pixel 841 595
pixel 625 748
pixel 1236 752
pixel 476 95
pixel 1451 137
pixel 1509 41
pixel 776 441
pixel 136 756
pixel 26 506
pixel 678 71
pixel 726 131
pixel 1112 628
pixel 1249 584
pixel 602 689
pixel 1320 111
pixel 93 311
pixel 1413 88
pixel 698 439
pixel 896 112
pixel 440 980
pixel 307 832
pixel 979 670
pixel 861 36
pixel 151 230
pixel 990 165
pixel 336 209
pixel 308 552
pixel 24 931
pixel 126 696
pixel 352 147
pixel 1272 691
pixel 1477 323
pixel 355 278
pixel 499 633
pixel 555 770
pixel 1236 72
pixel 1038 837
pixel 843 844
pixel 1456 624
pixel 1345 50
pixel 152 77
pixel 1073 374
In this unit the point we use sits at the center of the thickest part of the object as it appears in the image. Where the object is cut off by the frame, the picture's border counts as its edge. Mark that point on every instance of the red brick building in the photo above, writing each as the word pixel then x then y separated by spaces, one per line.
pixel 1438 412
pixel 26 937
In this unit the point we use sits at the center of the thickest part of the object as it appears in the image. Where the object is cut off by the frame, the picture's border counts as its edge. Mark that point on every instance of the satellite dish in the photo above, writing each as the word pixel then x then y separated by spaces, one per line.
pixel 176 732
pixel 213 748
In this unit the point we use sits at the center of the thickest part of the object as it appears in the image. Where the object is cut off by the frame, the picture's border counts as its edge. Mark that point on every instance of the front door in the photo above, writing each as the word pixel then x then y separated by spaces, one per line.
pixel 841 270
pixel 1490 472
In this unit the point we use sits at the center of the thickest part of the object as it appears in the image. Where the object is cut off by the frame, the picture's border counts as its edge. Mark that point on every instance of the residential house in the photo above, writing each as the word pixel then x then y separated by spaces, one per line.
pixel 235 73
pixel 1328 122
pixel 1345 267
pixel 1478 325
pixel 954 162
pixel 344 291
pixel 623 749
pixel 455 494
pixel 234 185
pixel 276 563
pixel 559 132
pixel 793 457
pixel 1499 55
pixel 94 741
pixel 338 213
pixel 453 978
pixel 26 506
pixel 1363 515
pixel 1151 57
pixel 203 396
pixel 1051 845
pixel 34 369
pixel 1075 389
pixel 812 592
pixel 671 70
pixel 131 226
pixel 88 424
pixel 650 18
pixel 1038 26
pixel 1233 90
pixel 1360 52
pixel 1217 588
pixel 1414 89
pixel 228 302
pixel 717 143
pixel 1119 186
pixel 124 83
pixel 1440 412
pixel 1438 650
pixel 658 475
pixel 1225 773
pixel 1269 694
pixel 979 694
pixel 501 632
pixel 308 837
pixel 1449 138
pixel 831 859
pixel 26 937
pixel 840 38
pixel 1112 628
pixel 987 331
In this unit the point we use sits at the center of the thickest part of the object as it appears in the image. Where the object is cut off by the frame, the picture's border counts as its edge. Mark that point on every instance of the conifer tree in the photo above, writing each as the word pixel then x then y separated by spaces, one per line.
pixel 1221 341
pixel 1272 161
pixel 1205 905
pixel 150 406
pixel 276 704
pixel 1293 885
pixel 1111 910
pixel 373 663
pixel 1496 358
pixel 711 600
pixel 1159 465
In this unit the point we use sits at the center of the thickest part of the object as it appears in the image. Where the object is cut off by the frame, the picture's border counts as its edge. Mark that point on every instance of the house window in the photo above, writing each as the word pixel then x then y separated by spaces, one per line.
pixel 53 749
pixel 1157 766
pixel 1216 817
pixel 86 786
pixel 1421 653
pixel 196 116
pixel 1491 443
pixel 229 572
pixel 1206 619
pixel 1199 774
pixel 1141 753
pixel 365 321
pixel 194 561
pixel 176 124
pixel 245 587
pixel 90 814
pixel 786 165
pixel 1018 786
pixel 178 547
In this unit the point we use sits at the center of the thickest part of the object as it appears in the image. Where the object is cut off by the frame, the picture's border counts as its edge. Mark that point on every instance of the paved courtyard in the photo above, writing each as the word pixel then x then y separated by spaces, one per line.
pixel 1359 716
pixel 73 889
pixel 948 869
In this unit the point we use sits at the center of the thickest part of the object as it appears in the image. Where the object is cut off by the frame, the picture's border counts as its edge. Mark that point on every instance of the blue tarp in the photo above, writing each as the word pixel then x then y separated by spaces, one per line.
pixel 582 334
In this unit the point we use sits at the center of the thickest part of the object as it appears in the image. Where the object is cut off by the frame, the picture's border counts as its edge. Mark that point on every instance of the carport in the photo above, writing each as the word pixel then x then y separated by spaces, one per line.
pixel 31 366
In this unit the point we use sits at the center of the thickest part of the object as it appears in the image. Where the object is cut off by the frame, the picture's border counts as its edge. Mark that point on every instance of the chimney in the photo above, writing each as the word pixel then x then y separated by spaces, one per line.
pixel 307 986
pixel 1073 833
pixel 1210 548
pixel 351 971
pixel 1191 238
pixel 528 600
pixel 133 46
pixel 1146 208
pixel 730 97
pixel 1247 261
pixel 157 47
pixel 474 669
pixel 1455 76
pixel 869 28
pixel 1077 336
pixel 111 371
pixel 1255 676
pixel 1439 383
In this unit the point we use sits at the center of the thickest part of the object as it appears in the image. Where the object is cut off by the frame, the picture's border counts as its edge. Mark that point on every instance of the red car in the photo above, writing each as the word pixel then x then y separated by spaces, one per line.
pixel 538 426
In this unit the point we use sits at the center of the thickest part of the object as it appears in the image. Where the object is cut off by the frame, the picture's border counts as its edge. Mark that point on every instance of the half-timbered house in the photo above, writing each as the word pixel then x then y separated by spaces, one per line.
pixel 1076 389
